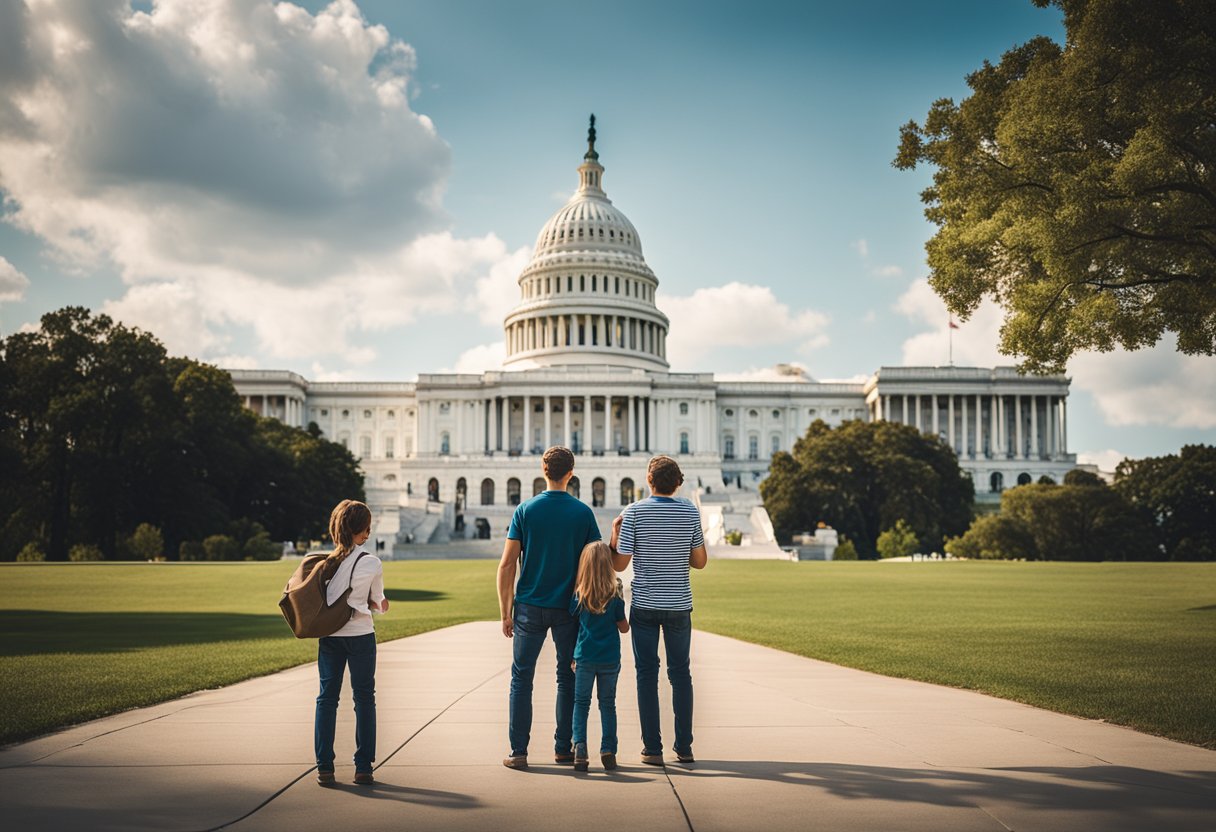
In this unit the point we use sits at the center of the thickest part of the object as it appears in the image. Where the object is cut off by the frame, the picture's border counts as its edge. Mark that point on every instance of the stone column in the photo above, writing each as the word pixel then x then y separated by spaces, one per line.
pixel 504 438
pixel 1034 427
pixel 950 419
pixel 917 398
pixel 548 434
pixel 962 423
pixel 607 423
pixel 566 427
pixel 527 446
pixel 979 426
pixel 587 437
pixel 652 418
pixel 1020 451
pixel 936 428
pixel 1063 425
pixel 627 428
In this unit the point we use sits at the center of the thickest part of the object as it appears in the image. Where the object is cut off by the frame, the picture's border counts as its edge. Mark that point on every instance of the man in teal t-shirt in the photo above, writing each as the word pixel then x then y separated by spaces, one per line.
pixel 546 537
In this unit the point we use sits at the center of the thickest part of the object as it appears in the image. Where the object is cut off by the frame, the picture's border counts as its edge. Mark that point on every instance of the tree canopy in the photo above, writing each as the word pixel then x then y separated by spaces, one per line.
pixel 1177 495
pixel 863 478
pixel 101 431
pixel 1076 184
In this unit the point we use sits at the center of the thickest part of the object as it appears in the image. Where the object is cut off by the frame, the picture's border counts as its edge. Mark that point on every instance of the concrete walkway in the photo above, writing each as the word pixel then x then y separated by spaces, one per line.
pixel 782 743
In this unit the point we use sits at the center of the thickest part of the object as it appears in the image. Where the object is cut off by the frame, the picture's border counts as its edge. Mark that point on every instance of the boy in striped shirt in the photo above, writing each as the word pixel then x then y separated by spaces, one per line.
pixel 662 537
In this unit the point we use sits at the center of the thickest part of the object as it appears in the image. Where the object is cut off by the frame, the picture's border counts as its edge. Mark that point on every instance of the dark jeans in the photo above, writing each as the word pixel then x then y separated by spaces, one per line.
pixel 604 677
pixel 531 624
pixel 334 653
pixel 676 627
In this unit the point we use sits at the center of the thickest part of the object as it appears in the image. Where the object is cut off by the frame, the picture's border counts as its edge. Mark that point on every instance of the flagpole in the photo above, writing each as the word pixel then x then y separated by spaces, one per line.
pixel 950 331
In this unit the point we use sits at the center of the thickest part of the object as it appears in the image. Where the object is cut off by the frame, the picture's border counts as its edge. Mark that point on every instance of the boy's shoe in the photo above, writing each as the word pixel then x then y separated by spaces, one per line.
pixel 581 762
pixel 364 778
pixel 608 758
pixel 652 759
pixel 519 761
pixel 563 759
pixel 325 778
pixel 685 758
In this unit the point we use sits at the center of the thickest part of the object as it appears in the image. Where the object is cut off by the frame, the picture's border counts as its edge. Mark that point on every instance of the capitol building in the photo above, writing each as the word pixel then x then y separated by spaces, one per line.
pixel 451 455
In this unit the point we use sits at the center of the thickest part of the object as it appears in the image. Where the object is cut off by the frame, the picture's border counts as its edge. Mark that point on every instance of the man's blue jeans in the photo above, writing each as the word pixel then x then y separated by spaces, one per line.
pixel 531 624
pixel 334 653
pixel 676 627
pixel 604 677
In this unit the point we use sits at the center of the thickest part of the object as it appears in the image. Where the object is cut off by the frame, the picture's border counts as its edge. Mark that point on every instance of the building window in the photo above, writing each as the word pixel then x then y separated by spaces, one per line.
pixel 811 412
pixel 392 414
pixel 432 490
pixel 626 491
pixel 513 492
pixel 729 412
pixel 345 414
pixel 367 414
pixel 776 414
pixel 683 443
pixel 445 407
pixel 684 409
pixel 365 447
pixel 1024 479
pixel 324 412
pixel 572 487
pixel 752 414
pixel 776 443
pixel 487 492
pixel 538 486
pixel 753 447
pixel 597 492
pixel 835 411
pixel 996 483
pixel 390 479
pixel 728 451
pixel 445 443
pixel 388 447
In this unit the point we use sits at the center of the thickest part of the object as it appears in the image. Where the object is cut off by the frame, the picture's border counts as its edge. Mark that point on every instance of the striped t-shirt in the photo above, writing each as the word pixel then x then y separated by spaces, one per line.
pixel 660 532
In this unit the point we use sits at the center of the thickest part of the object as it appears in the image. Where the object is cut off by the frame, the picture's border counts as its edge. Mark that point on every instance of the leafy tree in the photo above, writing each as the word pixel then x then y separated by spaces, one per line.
pixel 1177 495
pixel 995 536
pixel 899 541
pixel 863 477
pixel 191 550
pixel 146 542
pixel 1080 522
pixel 221 547
pixel 82 552
pixel 845 550
pixel 31 553
pixel 1079 476
pixel 1076 184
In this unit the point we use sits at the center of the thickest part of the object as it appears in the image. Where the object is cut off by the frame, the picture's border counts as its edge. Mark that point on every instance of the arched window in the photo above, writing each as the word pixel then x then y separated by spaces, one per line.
pixel 445 443
pixel 390 479
pixel 996 483
pixel 513 492
pixel 729 412
pixel 683 443
pixel 462 494
pixel 626 491
pixel 487 492
pixel 367 414
pixel 365 447
pixel 753 447
pixel 597 492
pixel 538 486
pixel 345 414
pixel 572 488
pixel 776 414
pixel 1024 478
pixel 683 408
pixel 432 490
pixel 776 443
pixel 728 451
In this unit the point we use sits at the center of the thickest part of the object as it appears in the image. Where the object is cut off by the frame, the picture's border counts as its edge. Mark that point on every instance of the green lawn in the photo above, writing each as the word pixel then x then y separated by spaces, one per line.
pixel 85 640
pixel 1131 643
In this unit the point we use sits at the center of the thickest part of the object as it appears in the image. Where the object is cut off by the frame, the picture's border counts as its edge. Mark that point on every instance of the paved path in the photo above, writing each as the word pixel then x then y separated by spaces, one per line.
pixel 782 743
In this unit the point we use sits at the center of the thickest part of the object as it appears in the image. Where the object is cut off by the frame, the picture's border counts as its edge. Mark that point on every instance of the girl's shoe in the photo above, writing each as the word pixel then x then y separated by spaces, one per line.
pixel 581 762
pixel 608 758
pixel 652 759
pixel 325 778
pixel 364 778
pixel 685 758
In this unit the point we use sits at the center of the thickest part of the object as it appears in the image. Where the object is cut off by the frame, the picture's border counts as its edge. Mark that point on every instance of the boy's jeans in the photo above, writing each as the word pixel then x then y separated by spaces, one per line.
pixel 604 677
pixel 676 626
pixel 333 654
pixel 531 623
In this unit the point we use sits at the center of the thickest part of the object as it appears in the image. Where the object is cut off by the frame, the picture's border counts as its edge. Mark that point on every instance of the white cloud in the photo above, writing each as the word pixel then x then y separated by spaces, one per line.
pixel 870 317
pixel 887 271
pixel 861 247
pixel 12 282
pixel 479 359
pixel 498 292
pixel 975 340
pixel 1106 460
pixel 244 165
pixel 1153 386
pixel 736 315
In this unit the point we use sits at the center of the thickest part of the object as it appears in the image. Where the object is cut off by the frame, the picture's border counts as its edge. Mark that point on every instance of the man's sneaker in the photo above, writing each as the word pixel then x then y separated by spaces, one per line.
pixel 608 758
pixel 580 757
pixel 652 759
pixel 685 758
pixel 516 761
pixel 364 778
pixel 563 759
pixel 325 778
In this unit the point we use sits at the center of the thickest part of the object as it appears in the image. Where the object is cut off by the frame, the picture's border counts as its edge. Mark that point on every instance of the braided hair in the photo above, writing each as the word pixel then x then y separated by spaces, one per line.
pixel 349 518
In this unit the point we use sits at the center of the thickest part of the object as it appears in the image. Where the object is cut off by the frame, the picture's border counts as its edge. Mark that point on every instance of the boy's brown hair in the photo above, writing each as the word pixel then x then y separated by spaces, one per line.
pixel 557 462
pixel 664 474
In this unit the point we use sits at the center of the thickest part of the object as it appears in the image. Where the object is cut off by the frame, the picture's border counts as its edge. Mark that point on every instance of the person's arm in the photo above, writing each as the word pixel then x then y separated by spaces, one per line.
pixel 363 579
pixel 375 598
pixel 507 568
pixel 622 623
pixel 698 557
pixel 620 560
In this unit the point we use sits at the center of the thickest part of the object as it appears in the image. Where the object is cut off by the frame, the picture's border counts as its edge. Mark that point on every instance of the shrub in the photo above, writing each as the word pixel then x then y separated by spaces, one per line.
pixel 85 552
pixel 734 537
pixel 898 541
pixel 31 553
pixel 995 536
pixel 221 547
pixel 261 547
pixel 146 542
pixel 845 551
pixel 191 550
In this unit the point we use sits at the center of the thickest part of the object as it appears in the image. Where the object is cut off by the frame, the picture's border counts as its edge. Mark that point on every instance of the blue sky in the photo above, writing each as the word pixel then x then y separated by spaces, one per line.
pixel 349 191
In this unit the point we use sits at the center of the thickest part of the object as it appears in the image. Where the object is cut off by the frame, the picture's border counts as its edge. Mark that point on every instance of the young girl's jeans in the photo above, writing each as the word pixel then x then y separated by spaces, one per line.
pixel 604 677
pixel 334 653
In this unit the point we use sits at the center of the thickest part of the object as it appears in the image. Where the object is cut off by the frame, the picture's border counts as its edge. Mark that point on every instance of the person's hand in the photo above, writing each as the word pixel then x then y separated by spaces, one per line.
pixel 508 627
pixel 384 605
pixel 616 524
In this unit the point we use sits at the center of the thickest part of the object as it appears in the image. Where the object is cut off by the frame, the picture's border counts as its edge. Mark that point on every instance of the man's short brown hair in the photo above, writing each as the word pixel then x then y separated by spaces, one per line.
pixel 664 474
pixel 557 462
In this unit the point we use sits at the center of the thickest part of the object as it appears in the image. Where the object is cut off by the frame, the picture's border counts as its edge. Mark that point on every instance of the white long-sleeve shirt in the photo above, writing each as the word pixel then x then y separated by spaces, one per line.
pixel 367 585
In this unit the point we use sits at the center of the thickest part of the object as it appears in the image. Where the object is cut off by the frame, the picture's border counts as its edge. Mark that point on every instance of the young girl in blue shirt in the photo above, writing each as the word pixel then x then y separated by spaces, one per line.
pixel 600 610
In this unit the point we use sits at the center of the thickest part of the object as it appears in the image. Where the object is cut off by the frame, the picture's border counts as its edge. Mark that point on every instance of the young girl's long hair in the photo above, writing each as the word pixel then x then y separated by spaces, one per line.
pixel 595 583
pixel 349 518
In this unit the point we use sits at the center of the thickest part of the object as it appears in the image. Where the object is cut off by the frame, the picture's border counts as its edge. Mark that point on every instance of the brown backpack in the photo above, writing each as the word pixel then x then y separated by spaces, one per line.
pixel 304 602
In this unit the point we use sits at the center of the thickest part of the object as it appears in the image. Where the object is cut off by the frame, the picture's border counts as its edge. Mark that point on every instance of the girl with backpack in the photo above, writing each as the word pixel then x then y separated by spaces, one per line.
pixel 354 644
